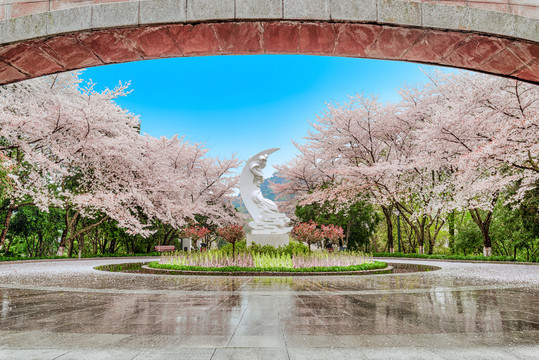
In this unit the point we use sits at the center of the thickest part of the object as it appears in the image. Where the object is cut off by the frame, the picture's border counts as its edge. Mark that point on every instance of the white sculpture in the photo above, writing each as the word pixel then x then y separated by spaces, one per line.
pixel 267 220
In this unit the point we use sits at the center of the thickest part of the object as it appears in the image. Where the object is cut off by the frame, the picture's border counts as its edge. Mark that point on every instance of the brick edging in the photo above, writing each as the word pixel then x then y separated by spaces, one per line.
pixel 154 271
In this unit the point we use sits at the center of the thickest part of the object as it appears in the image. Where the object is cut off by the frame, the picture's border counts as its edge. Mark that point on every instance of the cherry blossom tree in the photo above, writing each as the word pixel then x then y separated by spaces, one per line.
pixel 308 232
pixel 333 233
pixel 42 128
pixel 304 174
pixel 484 132
pixel 195 232
pixel 359 134
pixel 454 143
pixel 185 182
pixel 74 148
pixel 6 182
pixel 231 233
pixel 372 150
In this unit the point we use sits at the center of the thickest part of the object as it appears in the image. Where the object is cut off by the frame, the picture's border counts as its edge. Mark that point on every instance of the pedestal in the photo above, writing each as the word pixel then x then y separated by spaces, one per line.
pixel 274 240
pixel 186 244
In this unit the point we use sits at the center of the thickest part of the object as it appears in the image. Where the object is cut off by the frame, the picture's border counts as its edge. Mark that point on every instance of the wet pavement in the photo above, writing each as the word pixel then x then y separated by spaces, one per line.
pixel 68 310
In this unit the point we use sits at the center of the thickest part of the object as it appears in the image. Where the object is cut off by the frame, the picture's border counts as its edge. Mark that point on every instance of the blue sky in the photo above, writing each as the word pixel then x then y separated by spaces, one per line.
pixel 245 104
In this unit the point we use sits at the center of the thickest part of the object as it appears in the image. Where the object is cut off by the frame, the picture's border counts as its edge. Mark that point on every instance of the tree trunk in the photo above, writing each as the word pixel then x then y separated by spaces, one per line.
pixel 71 240
pixel 387 214
pixel 69 225
pixel 418 227
pixel 431 243
pixel 81 231
pixel 484 226
pixel 451 223
pixel 420 243
pixel 81 246
pixel 62 245
pixel 6 226
pixel 438 223
pixel 112 245
pixel 70 247
pixel 94 242
pixel 12 207
pixel 411 240
pixel 40 244
pixel 420 233
pixel 102 244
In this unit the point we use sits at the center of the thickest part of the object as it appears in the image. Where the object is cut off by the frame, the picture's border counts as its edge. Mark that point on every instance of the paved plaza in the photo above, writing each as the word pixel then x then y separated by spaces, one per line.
pixel 68 310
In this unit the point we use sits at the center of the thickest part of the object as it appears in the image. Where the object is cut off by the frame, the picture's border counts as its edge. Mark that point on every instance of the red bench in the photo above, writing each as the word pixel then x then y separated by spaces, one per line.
pixel 165 248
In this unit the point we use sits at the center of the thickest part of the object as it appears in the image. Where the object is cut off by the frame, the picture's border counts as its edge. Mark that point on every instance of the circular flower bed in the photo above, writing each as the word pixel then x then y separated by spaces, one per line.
pixel 370 268
pixel 260 263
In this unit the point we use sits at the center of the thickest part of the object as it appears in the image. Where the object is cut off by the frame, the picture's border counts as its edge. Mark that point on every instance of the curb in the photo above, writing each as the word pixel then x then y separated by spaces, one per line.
pixel 149 270
pixel 75 259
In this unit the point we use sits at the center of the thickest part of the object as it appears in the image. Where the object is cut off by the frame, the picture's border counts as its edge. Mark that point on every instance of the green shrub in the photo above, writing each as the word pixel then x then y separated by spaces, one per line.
pixel 293 248
pixel 241 247
pixel 120 267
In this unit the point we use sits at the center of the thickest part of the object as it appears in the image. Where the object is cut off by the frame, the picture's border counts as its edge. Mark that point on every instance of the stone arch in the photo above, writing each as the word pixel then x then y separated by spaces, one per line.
pixel 494 42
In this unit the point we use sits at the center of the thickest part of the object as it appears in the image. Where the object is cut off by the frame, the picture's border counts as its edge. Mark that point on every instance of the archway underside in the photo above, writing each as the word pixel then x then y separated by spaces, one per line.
pixel 489 54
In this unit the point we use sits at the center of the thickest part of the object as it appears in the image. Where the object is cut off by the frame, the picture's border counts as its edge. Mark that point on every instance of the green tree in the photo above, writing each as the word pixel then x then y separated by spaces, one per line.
pixel 516 230
pixel 468 237
pixel 35 233
pixel 359 220
pixel 529 213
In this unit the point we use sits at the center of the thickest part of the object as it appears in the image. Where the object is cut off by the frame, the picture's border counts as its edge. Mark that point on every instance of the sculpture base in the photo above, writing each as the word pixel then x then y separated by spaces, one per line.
pixel 274 240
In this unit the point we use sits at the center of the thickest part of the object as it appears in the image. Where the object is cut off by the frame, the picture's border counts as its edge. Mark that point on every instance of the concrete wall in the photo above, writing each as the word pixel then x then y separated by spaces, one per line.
pixel 527 8
pixel 394 12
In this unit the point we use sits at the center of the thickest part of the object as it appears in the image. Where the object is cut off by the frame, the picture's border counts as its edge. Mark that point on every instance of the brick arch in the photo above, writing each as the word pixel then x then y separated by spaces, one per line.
pixel 490 54
pixel 48 36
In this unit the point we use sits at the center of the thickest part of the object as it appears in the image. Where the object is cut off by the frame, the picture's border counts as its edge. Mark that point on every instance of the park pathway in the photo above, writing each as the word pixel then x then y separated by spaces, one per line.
pixel 67 310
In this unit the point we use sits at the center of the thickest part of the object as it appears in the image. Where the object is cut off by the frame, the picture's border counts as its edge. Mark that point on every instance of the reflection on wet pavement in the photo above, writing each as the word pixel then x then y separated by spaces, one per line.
pixel 68 306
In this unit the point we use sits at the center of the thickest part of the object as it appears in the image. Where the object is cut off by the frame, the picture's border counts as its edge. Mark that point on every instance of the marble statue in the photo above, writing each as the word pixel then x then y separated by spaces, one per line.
pixel 269 226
